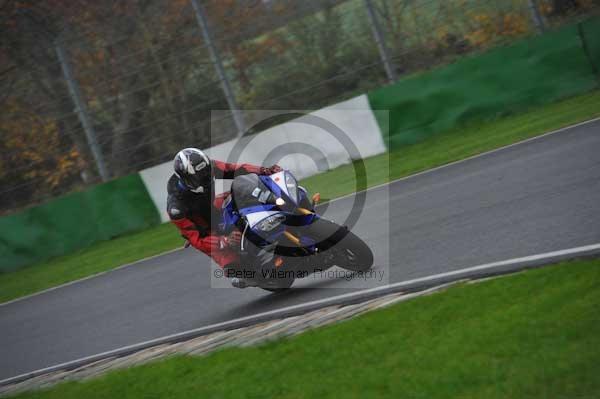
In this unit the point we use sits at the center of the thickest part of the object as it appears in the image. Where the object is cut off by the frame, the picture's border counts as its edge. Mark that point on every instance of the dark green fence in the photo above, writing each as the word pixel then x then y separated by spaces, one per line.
pixel 510 79
pixel 75 221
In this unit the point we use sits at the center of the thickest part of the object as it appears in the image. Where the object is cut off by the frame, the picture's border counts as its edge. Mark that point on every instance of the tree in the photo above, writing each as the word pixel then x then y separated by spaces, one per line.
pixel 562 7
pixel 142 69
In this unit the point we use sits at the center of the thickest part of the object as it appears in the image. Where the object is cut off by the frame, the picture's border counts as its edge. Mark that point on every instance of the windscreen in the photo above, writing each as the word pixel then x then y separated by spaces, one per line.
pixel 248 190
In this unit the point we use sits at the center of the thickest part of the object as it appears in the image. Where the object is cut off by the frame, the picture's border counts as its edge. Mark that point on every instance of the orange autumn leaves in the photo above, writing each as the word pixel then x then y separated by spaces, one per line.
pixel 33 149
pixel 489 28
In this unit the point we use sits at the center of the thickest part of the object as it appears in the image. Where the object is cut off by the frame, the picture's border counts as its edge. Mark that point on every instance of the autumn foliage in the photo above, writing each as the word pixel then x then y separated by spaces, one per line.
pixel 149 84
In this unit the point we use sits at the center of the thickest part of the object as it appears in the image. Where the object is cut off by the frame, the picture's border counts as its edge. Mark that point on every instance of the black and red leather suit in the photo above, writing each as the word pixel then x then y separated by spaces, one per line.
pixel 193 213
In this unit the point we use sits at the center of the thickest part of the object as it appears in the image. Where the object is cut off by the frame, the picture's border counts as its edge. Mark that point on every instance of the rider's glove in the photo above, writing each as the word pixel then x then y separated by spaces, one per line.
pixel 270 170
pixel 232 240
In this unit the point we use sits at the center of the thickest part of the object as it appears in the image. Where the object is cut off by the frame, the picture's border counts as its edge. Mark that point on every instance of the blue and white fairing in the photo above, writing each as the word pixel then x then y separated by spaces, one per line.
pixel 258 200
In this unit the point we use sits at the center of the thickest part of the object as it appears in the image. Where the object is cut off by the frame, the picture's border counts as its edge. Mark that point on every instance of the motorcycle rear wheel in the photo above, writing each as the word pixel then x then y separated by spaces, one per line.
pixel 278 285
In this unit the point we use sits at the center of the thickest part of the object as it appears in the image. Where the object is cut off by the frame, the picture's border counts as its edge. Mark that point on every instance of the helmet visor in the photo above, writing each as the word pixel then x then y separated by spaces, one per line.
pixel 198 182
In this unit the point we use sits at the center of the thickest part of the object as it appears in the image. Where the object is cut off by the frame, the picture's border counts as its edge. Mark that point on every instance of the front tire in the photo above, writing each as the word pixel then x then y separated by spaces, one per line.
pixel 352 254
pixel 343 248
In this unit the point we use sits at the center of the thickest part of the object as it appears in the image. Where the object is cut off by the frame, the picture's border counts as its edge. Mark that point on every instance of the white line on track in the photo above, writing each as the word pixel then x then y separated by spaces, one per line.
pixel 483 154
pixel 537 259
pixel 88 277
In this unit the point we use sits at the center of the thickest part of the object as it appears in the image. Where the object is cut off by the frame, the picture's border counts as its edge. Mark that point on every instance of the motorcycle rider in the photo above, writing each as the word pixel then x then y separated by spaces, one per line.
pixel 195 209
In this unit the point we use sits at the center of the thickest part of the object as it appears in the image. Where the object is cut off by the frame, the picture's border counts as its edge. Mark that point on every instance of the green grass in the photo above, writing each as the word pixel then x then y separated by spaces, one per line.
pixel 530 335
pixel 438 150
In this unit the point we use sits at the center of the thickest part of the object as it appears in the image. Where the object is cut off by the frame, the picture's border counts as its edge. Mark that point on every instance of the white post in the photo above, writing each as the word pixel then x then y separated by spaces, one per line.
pixel 203 23
pixel 538 21
pixel 81 109
pixel 380 40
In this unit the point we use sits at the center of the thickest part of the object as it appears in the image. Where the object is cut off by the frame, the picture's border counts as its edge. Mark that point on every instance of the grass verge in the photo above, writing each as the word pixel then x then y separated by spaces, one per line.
pixel 530 335
pixel 438 150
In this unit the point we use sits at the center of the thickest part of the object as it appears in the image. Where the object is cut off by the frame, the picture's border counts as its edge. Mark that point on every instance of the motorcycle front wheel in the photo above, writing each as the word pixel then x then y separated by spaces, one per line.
pixel 352 254
pixel 342 247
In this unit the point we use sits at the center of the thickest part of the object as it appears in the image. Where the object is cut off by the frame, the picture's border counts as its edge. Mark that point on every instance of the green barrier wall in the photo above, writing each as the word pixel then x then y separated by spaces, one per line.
pixel 75 221
pixel 532 72
pixel 591 32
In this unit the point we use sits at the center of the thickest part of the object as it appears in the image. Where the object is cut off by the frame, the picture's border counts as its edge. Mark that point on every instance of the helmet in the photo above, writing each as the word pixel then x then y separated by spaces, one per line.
pixel 193 167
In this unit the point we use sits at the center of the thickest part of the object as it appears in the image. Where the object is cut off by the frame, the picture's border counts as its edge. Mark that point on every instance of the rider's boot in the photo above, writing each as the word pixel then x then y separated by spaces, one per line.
pixel 234 272
pixel 239 282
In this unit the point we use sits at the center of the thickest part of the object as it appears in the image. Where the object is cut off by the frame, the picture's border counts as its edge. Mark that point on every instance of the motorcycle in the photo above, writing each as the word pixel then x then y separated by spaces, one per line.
pixel 282 236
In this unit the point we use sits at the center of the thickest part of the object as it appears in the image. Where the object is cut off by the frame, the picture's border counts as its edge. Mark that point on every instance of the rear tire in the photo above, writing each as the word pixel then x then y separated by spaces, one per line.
pixel 278 285
pixel 276 290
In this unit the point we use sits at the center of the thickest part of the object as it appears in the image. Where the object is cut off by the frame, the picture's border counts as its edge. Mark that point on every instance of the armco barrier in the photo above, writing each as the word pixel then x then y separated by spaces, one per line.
pixel 75 221
pixel 532 72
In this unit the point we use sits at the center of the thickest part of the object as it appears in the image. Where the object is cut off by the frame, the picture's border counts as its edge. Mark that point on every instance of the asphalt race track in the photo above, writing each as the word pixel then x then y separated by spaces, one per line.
pixel 535 197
